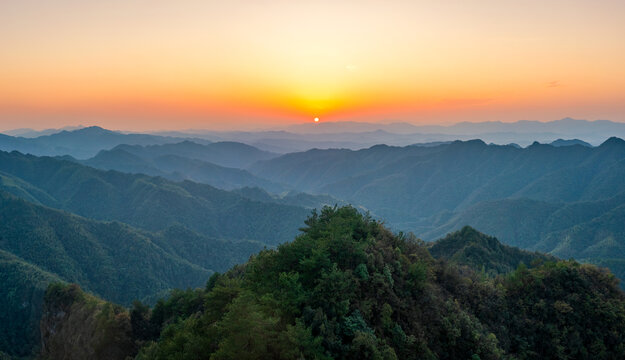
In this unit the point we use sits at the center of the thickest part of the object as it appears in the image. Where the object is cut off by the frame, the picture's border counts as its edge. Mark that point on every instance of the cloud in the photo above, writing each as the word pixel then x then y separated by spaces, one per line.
pixel 553 84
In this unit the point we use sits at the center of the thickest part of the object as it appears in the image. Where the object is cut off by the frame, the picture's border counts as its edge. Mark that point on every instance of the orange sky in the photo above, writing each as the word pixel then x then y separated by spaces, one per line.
pixel 155 64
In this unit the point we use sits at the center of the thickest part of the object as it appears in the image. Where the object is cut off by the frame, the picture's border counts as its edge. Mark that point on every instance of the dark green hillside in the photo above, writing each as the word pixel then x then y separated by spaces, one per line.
pixel 21 298
pixel 26 191
pixel 347 288
pixel 39 245
pixel 153 203
pixel 590 231
pixel 111 259
pixel 479 251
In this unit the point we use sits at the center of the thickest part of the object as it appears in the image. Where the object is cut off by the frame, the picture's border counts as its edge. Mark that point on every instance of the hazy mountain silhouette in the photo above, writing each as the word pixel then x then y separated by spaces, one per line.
pixel 228 153
pixel 32 133
pixel 82 143
pixel 562 142
pixel 359 135
pixel 422 181
pixel 175 167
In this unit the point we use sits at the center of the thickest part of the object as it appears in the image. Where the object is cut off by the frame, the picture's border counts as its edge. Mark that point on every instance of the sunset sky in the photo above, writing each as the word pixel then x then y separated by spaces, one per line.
pixel 152 64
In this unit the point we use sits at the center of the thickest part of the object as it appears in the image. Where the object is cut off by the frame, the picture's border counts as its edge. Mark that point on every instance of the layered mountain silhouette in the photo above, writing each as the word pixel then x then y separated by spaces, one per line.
pixel 217 164
pixel 81 143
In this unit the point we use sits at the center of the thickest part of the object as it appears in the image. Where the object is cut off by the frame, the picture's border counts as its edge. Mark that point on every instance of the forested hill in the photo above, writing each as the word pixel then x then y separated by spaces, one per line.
pixel 485 253
pixel 347 288
pixel 39 245
pixel 151 203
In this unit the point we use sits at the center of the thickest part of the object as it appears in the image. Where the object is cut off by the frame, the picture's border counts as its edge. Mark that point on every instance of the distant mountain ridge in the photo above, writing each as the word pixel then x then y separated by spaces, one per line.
pixel 81 143
pixel 324 135
pixel 425 180
pixel 32 133
pixel 217 164
pixel 358 135
pixel 571 142
pixel 225 153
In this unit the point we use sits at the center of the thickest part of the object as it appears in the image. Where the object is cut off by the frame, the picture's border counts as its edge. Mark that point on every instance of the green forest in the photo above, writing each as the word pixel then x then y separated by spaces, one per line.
pixel 348 288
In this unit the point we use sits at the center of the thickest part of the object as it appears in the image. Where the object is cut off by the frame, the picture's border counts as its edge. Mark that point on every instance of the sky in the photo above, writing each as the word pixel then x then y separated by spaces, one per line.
pixel 157 65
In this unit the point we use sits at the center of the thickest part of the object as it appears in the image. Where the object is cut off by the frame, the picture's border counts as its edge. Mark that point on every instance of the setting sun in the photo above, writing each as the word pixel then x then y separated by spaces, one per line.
pixel 190 65
pixel 316 119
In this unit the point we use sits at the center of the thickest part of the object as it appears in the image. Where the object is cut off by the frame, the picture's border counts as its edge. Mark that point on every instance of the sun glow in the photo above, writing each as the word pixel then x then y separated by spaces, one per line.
pixel 424 62
pixel 316 119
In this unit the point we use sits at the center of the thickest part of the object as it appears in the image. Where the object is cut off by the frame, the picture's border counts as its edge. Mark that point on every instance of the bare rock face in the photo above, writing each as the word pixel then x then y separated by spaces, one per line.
pixel 76 325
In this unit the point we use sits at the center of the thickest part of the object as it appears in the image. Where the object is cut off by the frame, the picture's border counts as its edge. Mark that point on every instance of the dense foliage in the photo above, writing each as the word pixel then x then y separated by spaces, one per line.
pixel 347 288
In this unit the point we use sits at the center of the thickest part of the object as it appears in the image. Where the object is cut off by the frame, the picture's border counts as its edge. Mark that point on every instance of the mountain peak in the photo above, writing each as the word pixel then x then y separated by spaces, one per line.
pixel 613 141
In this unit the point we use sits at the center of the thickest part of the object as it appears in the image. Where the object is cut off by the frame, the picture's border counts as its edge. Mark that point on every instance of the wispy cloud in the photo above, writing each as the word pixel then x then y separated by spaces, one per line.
pixel 553 84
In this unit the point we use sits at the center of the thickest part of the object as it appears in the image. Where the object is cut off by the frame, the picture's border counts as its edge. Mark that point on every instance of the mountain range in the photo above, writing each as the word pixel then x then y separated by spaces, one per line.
pixel 360 135
pixel 86 142
pixel 563 200
pixel 131 216
pixel 120 236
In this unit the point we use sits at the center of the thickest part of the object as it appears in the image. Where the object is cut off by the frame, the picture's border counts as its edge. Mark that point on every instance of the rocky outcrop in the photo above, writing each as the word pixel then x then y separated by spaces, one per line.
pixel 76 325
